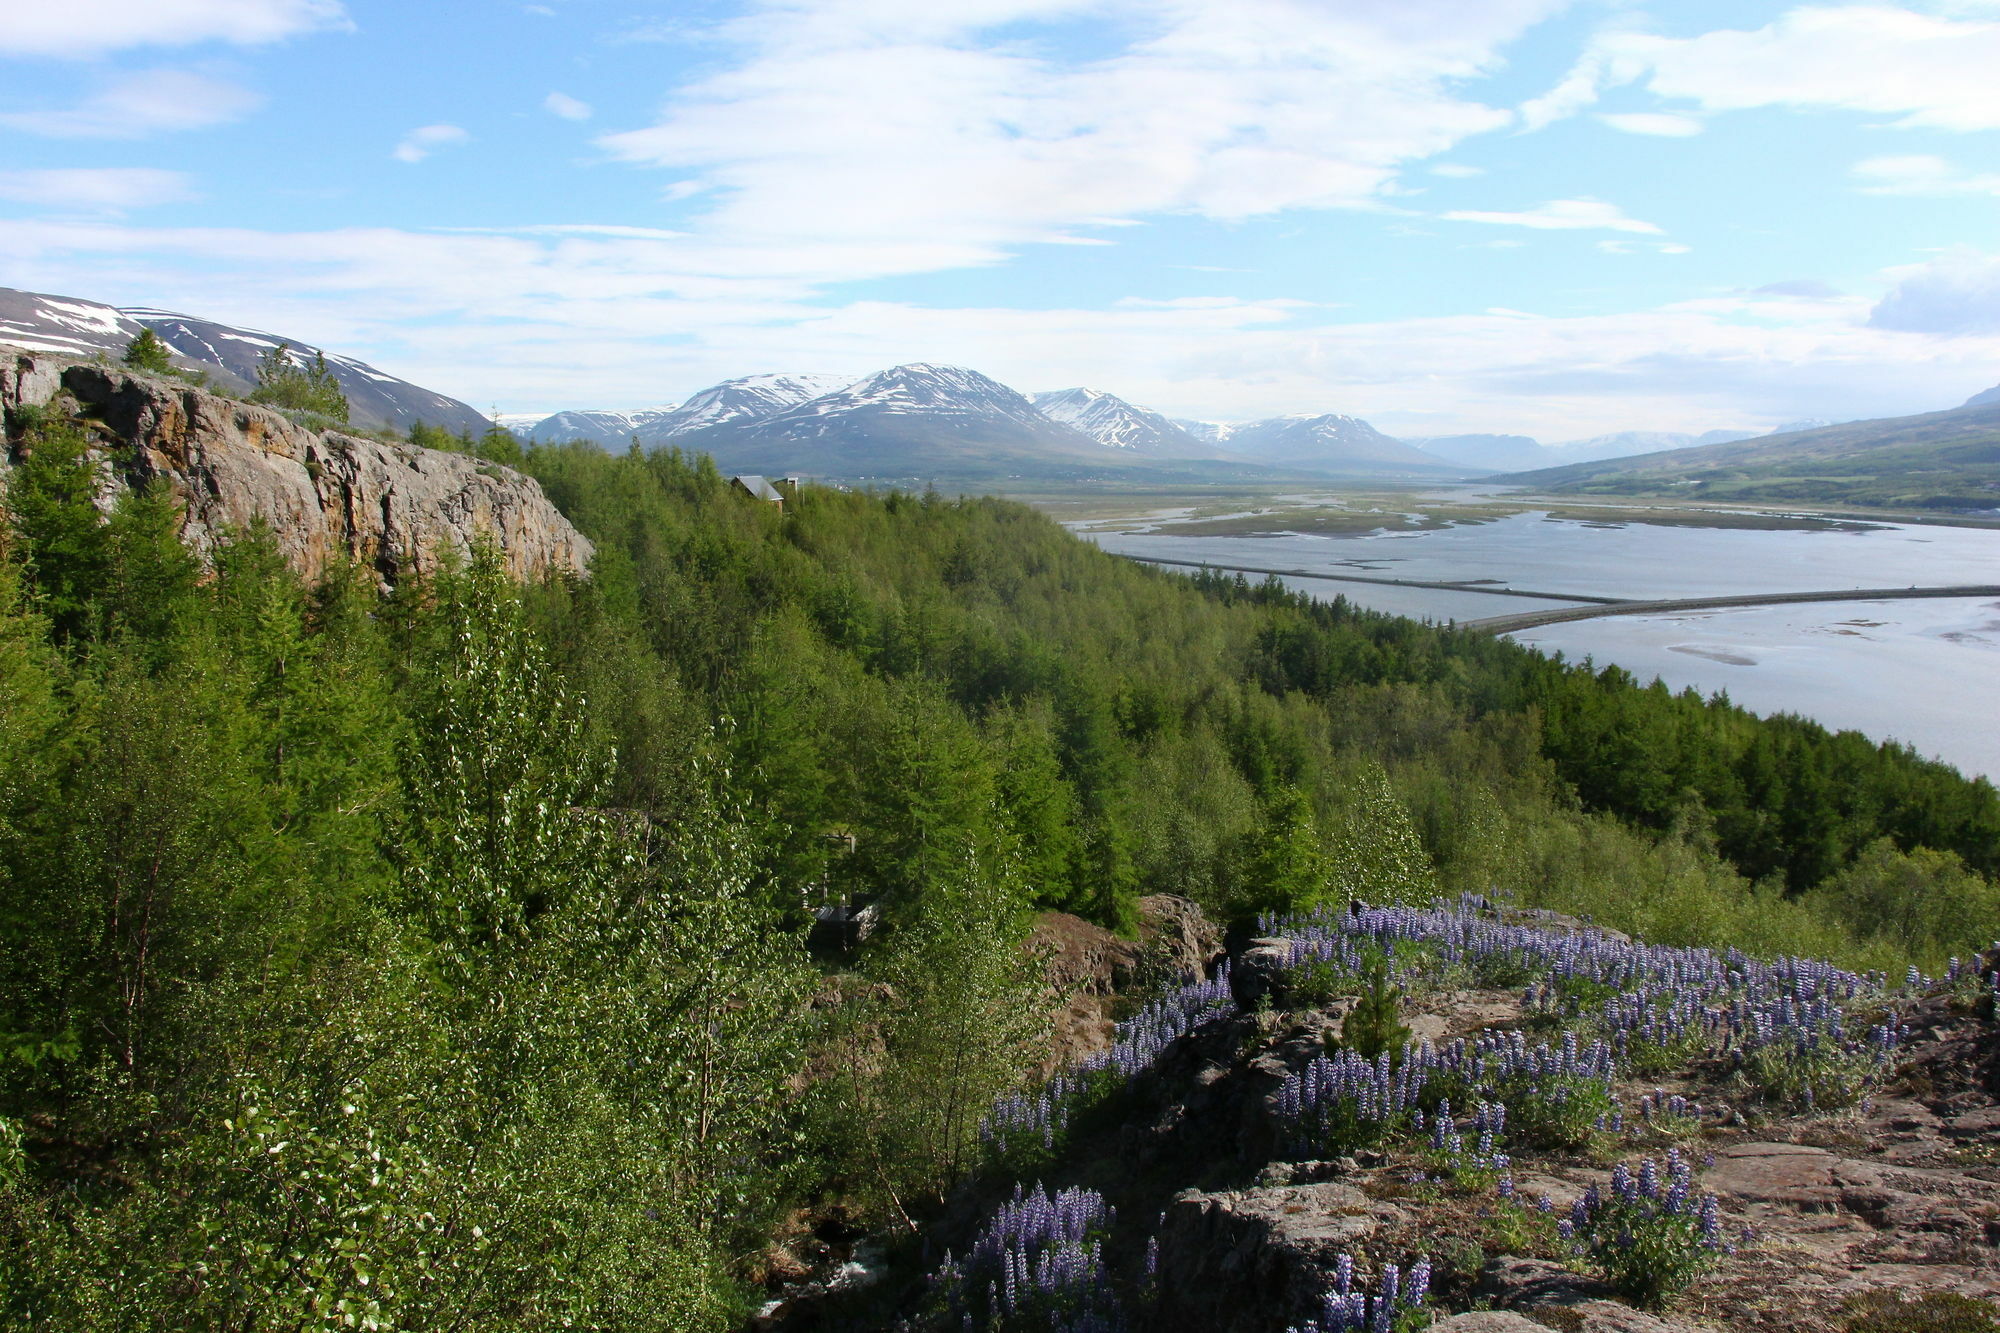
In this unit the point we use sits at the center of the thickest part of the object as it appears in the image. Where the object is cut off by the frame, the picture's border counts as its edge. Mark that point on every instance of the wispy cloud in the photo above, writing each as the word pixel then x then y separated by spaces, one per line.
pixel 96 189
pixel 1658 124
pixel 421 142
pixel 135 106
pixel 1927 70
pixel 569 108
pixel 1562 215
pixel 895 121
pixel 1922 174
pixel 80 29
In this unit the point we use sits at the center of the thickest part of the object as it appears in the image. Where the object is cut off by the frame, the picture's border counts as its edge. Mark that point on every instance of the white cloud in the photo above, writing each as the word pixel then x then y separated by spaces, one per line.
pixel 1654 123
pixel 888 120
pixel 84 28
pixel 1457 171
pixel 1927 70
pixel 569 108
pixel 1921 174
pixel 1644 248
pixel 421 142
pixel 1578 89
pixel 1957 294
pixel 621 317
pixel 137 105
pixel 96 189
pixel 1563 215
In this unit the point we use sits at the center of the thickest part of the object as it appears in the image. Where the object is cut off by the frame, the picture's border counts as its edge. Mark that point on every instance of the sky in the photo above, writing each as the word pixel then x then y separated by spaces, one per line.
pixel 1556 218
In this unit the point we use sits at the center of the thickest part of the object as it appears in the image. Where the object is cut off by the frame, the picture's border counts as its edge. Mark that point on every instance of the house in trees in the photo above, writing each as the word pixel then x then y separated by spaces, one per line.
pixel 771 491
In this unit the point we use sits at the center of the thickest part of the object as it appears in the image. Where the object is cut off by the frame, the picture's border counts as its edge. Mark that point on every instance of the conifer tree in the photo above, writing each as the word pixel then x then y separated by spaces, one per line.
pixel 147 352
pixel 51 501
pixel 282 382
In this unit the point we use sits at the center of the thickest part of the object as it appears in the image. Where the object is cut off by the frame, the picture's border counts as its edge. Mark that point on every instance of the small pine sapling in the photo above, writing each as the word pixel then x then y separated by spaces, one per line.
pixel 1375 1024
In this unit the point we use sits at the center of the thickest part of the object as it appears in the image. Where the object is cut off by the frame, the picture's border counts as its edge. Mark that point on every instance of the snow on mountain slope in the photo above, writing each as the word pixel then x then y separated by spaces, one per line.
pixel 65 324
pixel 751 398
pixel 928 390
pixel 1208 432
pixel 613 430
pixel 1115 423
pixel 905 421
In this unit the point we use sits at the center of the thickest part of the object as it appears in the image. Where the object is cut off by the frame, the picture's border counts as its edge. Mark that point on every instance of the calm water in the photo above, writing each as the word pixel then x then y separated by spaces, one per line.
pixel 1926 673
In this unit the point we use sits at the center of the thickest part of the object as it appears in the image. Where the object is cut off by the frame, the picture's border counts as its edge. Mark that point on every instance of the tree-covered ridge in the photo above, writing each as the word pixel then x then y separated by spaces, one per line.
pixel 1245 746
pixel 432 957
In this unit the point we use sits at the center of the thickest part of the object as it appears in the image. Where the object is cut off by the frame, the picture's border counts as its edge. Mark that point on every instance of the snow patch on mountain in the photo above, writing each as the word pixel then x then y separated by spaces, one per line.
pixel 750 398
pixel 1113 422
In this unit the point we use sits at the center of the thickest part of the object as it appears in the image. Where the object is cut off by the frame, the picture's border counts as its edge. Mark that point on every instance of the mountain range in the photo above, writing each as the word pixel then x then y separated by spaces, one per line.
pixel 1938 460
pixel 1521 453
pixel 921 419
pixel 227 354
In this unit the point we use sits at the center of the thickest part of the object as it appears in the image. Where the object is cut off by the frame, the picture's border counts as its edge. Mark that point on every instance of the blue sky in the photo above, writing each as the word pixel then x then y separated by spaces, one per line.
pixel 1525 216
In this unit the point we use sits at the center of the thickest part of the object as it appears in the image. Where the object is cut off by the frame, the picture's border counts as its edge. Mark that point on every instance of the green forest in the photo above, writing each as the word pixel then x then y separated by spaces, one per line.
pixel 434 957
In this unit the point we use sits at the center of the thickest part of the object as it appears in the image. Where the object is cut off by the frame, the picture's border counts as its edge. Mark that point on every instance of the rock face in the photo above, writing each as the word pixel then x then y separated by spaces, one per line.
pixel 1280 1244
pixel 391 507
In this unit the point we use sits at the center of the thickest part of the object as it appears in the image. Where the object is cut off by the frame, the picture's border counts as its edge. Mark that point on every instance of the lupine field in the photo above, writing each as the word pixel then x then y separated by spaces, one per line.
pixel 1567 1078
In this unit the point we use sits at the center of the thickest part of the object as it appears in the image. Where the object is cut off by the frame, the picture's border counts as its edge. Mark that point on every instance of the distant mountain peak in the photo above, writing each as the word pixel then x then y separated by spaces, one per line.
pixel 1330 442
pixel 1984 398
pixel 1115 423
pixel 744 399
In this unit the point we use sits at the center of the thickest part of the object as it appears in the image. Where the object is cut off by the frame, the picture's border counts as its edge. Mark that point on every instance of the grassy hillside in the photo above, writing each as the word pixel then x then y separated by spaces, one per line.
pixel 1942 460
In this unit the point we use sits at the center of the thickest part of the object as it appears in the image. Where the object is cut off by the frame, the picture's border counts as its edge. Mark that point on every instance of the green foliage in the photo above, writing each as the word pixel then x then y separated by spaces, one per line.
pixel 1807 1075
pixel 146 352
pixel 1375 1024
pixel 1316 984
pixel 1925 904
pixel 426 436
pixel 51 505
pixel 283 382
pixel 969 1017
pixel 1649 1256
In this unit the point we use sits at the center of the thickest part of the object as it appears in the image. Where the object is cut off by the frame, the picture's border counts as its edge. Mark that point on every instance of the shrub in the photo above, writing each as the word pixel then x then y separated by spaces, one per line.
pixel 1647 1234
pixel 312 389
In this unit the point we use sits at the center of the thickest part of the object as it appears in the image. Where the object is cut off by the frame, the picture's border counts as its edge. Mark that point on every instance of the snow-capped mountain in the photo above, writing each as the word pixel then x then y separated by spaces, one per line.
pixel 66 324
pixel 1117 424
pixel 613 430
pixel 751 398
pixel 1208 432
pixel 907 420
pixel 1330 443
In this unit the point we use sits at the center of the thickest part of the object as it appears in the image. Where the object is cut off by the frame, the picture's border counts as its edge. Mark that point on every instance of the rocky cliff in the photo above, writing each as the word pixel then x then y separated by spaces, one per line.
pixel 391 507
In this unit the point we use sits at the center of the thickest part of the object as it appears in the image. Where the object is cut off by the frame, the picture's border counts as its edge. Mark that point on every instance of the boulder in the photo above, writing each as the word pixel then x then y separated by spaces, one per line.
pixel 1259 971
pixel 1254 1261
pixel 1178 934
pixel 1488 1321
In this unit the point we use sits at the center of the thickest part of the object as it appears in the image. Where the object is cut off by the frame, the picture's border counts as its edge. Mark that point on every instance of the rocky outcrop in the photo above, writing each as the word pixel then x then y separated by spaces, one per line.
pixel 326 496
pixel 1280 1244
